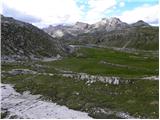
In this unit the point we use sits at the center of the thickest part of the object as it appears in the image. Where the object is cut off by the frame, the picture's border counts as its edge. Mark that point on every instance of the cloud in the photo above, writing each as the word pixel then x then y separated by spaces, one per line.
pixel 122 4
pixel 52 12
pixel 98 8
pixel 101 5
pixel 141 1
pixel 57 11
pixel 49 11
pixel 10 12
pixel 146 12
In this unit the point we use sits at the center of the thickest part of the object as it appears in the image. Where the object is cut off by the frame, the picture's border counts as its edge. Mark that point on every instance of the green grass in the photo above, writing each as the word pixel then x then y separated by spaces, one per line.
pixel 135 98
pixel 140 98
pixel 88 60
pixel 32 65
pixel 10 66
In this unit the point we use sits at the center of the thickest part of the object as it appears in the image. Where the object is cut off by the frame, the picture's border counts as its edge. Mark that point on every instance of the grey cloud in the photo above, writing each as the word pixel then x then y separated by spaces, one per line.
pixel 10 12
pixel 154 22
pixel 64 18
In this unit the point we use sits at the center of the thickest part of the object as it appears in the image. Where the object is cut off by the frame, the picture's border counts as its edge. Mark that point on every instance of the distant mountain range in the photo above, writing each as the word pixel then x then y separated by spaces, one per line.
pixel 23 40
pixel 110 32
pixel 80 27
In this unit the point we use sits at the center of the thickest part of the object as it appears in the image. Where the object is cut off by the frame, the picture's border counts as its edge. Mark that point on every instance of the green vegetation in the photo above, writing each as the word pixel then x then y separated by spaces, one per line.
pixel 140 98
pixel 10 66
pixel 103 61
pixel 136 96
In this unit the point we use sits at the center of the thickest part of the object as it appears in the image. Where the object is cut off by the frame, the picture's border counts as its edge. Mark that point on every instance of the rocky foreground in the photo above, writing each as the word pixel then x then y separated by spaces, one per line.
pixel 27 106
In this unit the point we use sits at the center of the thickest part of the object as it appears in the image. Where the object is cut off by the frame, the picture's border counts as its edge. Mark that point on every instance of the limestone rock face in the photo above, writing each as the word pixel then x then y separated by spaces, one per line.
pixel 107 24
pixel 110 24
pixel 72 30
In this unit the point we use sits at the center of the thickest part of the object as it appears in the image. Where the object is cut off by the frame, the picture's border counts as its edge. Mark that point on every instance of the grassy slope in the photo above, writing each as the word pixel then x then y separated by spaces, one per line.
pixel 89 60
pixel 139 98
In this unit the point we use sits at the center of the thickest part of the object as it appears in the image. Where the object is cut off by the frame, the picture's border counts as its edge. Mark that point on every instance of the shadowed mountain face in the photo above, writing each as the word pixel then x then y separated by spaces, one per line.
pixel 110 33
pixel 23 39
pixel 143 38
pixel 140 23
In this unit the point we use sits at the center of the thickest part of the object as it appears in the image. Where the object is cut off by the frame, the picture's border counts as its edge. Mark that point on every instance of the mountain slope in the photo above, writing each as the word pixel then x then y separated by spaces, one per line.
pixel 61 30
pixel 143 38
pixel 113 33
pixel 25 40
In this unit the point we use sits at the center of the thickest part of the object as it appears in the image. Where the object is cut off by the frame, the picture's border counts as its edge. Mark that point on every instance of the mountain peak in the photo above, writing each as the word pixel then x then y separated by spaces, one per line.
pixel 111 19
pixel 105 24
pixel 110 24
pixel 114 19
pixel 140 23
pixel 81 25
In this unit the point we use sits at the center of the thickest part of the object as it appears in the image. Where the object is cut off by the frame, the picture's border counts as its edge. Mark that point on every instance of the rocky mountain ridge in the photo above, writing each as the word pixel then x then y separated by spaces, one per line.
pixel 105 24
pixel 23 40
pixel 110 32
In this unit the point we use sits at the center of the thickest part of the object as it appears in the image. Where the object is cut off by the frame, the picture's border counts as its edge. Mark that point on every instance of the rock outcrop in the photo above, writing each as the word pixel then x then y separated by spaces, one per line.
pixel 27 106
pixel 94 78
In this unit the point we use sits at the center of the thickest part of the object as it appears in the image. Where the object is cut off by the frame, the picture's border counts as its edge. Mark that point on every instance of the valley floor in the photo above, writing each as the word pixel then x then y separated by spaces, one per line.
pixel 101 82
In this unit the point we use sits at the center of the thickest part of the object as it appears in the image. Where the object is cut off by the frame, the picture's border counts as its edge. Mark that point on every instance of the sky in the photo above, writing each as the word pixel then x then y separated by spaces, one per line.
pixel 42 13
